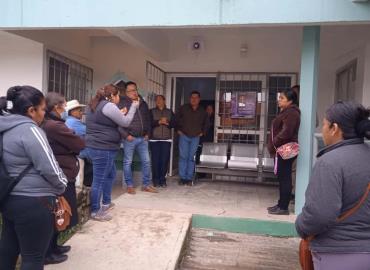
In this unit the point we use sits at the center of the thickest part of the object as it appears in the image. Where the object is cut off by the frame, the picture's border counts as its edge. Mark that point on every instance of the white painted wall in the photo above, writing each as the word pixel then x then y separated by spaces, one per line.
pixel 270 49
pixel 111 56
pixel 275 49
pixel 366 84
pixel 339 46
pixel 21 62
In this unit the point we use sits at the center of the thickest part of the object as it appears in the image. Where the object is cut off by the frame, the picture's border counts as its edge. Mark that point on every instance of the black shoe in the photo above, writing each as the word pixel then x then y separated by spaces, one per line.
pixel 188 182
pixel 181 182
pixel 272 207
pixel 279 211
pixel 55 259
pixel 62 249
pixel 163 185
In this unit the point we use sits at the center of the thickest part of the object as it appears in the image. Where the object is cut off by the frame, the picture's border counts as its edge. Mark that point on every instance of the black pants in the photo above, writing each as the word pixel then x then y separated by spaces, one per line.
pixel 160 152
pixel 27 229
pixel 284 174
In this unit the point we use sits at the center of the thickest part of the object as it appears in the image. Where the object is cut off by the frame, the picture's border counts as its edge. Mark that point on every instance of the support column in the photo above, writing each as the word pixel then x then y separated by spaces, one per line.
pixel 307 104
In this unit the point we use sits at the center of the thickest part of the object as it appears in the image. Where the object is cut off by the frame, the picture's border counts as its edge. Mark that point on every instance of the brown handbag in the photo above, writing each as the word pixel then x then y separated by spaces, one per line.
pixel 62 214
pixel 305 256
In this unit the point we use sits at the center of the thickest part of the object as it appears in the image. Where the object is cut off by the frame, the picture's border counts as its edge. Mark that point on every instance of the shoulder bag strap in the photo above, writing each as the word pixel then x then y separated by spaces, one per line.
pixel 356 207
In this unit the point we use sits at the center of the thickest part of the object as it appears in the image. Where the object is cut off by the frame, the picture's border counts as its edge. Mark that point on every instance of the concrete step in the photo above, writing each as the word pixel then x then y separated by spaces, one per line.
pixel 135 239
pixel 214 250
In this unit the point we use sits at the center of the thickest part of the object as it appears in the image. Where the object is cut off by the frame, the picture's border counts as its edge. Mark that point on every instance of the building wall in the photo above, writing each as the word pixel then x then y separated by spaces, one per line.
pixel 105 54
pixel 112 56
pixel 339 46
pixel 269 49
pixel 366 83
pixel 21 62
pixel 275 49
pixel 174 13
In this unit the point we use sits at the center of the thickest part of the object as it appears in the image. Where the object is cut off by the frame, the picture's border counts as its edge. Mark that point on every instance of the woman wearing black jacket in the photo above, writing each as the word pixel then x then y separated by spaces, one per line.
pixel 66 147
pixel 284 130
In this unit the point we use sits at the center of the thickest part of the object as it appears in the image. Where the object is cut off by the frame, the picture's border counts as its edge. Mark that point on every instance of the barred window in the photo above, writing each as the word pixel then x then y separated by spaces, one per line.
pixel 69 78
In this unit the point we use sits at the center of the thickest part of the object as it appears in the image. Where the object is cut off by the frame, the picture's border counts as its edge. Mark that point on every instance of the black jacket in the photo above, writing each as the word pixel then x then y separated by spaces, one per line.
pixel 140 125
pixel 65 145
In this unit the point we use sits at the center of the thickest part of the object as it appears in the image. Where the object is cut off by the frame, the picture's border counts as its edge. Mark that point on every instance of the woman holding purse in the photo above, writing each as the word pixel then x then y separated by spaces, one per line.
pixel 283 145
pixel 66 147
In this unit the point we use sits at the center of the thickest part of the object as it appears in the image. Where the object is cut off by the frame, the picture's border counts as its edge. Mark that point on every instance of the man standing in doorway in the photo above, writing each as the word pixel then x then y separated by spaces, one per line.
pixel 191 123
pixel 136 138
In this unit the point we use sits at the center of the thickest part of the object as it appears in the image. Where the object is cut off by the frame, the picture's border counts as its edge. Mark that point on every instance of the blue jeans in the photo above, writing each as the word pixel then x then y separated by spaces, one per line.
pixel 141 145
pixel 104 175
pixel 187 148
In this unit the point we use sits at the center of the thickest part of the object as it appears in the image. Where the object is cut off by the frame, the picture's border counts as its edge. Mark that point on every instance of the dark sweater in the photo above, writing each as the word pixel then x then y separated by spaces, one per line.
pixel 161 132
pixel 285 128
pixel 140 125
pixel 339 179
pixel 192 122
pixel 65 144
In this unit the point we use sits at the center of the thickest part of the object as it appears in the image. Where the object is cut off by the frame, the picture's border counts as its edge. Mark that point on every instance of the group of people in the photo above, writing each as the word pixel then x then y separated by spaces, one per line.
pixel 46 135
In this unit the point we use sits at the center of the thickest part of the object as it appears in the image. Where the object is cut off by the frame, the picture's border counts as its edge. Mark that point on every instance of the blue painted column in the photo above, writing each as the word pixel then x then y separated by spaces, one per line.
pixel 307 104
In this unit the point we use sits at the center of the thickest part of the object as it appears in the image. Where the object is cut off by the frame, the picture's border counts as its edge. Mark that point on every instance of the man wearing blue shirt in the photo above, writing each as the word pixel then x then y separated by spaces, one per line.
pixel 73 121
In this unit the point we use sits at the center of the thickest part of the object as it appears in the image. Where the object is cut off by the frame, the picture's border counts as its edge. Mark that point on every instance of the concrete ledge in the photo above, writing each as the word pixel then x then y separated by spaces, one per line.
pixel 245 225
pixel 135 239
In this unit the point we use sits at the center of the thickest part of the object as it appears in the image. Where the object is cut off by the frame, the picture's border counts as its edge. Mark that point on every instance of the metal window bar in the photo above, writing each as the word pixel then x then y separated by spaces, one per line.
pixel 155 82
pixel 251 126
pixel 68 77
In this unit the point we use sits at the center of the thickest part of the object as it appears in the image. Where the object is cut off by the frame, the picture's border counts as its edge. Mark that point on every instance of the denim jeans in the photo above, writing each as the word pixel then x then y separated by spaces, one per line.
pixel 160 151
pixel 141 145
pixel 187 148
pixel 104 175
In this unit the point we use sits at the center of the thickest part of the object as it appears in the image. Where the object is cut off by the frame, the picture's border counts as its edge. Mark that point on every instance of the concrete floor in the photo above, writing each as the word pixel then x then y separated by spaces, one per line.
pixel 213 198
pixel 148 230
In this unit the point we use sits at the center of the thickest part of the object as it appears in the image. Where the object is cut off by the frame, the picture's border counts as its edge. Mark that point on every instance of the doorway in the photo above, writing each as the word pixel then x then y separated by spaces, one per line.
pixel 181 88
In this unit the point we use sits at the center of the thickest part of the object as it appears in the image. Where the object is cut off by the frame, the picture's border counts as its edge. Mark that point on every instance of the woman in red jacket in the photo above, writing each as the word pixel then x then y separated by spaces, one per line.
pixel 66 147
pixel 284 130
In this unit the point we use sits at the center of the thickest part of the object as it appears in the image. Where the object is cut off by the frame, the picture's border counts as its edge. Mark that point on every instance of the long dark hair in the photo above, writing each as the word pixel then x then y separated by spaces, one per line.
pixel 351 117
pixel 19 99
pixel 104 93
pixel 291 94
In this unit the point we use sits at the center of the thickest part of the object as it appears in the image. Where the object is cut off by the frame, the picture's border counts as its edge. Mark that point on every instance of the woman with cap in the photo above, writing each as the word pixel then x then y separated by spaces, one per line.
pixel 340 179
